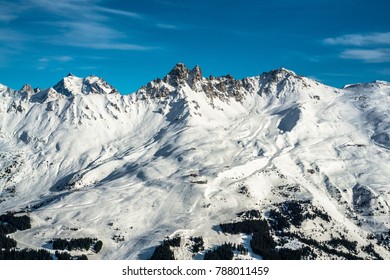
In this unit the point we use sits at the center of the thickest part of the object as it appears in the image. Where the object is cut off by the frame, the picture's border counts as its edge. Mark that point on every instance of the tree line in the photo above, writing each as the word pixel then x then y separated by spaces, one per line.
pixel 8 251
pixel 77 244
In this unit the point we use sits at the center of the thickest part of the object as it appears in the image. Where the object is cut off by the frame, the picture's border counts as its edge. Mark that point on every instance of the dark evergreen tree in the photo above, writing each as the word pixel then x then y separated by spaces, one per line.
pixel 82 257
pixel 98 246
pixel 21 223
pixel 7 228
pixel 263 244
pixel 6 242
pixel 63 256
pixel 67 256
pixel 73 244
pixel 198 244
pixel 80 244
pixel 60 244
pixel 174 242
pixel 25 254
pixel 223 252
pixel 349 245
pixel 163 252
pixel 246 226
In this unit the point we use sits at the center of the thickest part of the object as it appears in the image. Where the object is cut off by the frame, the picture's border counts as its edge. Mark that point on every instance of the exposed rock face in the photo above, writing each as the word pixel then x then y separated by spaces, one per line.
pixel 275 82
pixel 177 76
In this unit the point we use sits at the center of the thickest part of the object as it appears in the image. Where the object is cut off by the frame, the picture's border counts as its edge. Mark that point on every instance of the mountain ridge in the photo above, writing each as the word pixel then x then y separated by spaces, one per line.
pixel 268 83
pixel 179 73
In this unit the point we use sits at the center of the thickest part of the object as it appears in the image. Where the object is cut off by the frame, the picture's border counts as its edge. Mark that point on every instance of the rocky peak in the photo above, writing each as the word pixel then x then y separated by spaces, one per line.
pixel 194 77
pixel 26 91
pixel 181 74
pixel 228 77
pixel 196 73
pixel 278 82
pixel 278 74
pixel 72 85
pixel 96 85
pixel 27 88
pixel 63 86
pixel 177 75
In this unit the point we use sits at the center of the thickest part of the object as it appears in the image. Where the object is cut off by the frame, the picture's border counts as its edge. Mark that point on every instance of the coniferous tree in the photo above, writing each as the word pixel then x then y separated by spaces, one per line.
pixel 98 246
pixel 163 252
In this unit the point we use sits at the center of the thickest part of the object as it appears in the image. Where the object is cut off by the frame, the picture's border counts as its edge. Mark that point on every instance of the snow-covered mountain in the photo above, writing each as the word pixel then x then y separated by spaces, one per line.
pixel 185 154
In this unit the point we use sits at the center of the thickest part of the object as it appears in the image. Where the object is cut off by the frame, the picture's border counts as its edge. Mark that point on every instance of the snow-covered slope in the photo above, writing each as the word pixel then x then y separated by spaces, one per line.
pixel 186 153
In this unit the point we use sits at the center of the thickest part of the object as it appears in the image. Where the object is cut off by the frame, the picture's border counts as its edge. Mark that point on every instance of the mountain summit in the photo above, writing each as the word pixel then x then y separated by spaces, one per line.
pixel 189 158
pixel 72 85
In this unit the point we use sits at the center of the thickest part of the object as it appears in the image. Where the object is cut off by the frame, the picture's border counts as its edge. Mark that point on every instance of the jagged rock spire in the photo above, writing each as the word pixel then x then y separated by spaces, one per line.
pixel 177 75
pixel 26 88
pixel 195 74
pixel 181 74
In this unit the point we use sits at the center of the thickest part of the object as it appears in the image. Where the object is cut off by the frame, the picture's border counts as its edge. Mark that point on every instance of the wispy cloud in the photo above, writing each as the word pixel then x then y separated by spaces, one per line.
pixel 360 39
pixel 119 12
pixel 370 56
pixel 166 26
pixel 87 67
pixel 93 35
pixel 63 6
pixel 85 24
pixel 10 10
pixel 112 46
pixel 369 48
pixel 12 43
pixel 6 16
pixel 304 56
pixel 44 62
pixel 63 58
pixel 10 35
pixel 83 8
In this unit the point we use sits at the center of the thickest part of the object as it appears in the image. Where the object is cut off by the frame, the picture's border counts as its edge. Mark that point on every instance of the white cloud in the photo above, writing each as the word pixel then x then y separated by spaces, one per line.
pixel 12 43
pixel 166 26
pixel 9 35
pixel 64 58
pixel 370 56
pixel 360 39
pixel 111 46
pixel 10 10
pixel 374 47
pixel 119 12
pixel 45 62
pixel 61 6
pixel 93 35
pixel 5 16
pixel 85 24
pixel 75 23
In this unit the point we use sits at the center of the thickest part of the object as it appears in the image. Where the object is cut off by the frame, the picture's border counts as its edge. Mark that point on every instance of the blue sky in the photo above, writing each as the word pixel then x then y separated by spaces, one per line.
pixel 132 42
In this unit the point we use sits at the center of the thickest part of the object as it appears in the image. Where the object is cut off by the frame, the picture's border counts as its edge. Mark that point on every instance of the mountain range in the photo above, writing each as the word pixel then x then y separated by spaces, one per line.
pixel 201 161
